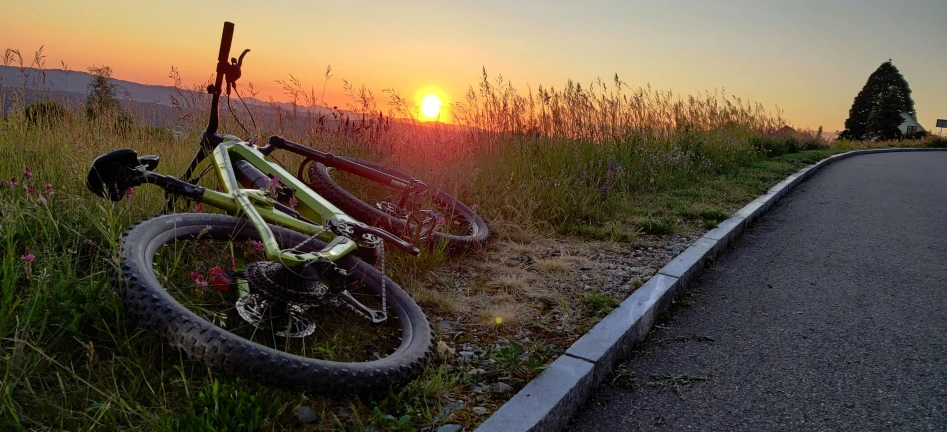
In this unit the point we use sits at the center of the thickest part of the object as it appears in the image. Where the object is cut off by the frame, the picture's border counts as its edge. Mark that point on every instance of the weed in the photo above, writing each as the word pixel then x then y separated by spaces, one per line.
pixel 600 304
pixel 659 226
pixel 522 364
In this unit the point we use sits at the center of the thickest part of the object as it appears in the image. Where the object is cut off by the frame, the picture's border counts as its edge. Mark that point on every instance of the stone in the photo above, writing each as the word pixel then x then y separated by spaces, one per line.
pixel 479 410
pixel 453 406
pixel 306 414
pixel 686 265
pixel 466 355
pixel 502 387
pixel 450 428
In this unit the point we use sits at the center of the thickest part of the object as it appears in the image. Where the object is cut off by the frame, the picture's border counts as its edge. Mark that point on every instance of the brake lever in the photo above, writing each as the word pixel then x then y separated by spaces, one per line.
pixel 232 74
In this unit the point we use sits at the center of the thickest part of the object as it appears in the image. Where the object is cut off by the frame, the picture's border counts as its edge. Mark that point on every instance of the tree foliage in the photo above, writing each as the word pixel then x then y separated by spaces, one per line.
pixel 884 80
pixel 102 100
pixel 884 120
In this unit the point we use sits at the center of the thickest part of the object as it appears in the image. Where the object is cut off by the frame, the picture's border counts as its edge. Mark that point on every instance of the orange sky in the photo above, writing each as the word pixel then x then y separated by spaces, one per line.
pixel 809 57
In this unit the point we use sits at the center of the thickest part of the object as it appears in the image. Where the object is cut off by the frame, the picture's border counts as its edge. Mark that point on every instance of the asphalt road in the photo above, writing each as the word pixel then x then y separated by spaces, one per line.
pixel 829 315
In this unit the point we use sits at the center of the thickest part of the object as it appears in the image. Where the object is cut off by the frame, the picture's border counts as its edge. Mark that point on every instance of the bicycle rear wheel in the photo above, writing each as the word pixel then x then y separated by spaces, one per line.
pixel 379 204
pixel 189 277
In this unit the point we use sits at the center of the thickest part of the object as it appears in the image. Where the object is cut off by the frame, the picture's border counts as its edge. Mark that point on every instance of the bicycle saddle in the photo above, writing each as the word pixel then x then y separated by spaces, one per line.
pixel 114 172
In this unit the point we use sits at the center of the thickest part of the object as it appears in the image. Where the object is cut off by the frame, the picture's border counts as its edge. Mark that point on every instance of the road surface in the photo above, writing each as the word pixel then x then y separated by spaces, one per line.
pixel 830 314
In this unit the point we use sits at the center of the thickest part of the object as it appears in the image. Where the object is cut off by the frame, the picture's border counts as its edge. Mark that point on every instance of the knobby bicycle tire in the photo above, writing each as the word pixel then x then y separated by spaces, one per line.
pixel 320 179
pixel 154 308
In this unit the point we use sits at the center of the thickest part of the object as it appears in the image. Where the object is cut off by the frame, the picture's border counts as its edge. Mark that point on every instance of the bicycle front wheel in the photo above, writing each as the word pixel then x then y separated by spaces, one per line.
pixel 383 205
pixel 189 277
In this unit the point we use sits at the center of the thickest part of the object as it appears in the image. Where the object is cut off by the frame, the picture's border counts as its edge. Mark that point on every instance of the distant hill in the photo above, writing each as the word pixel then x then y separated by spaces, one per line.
pixel 59 81
pixel 152 104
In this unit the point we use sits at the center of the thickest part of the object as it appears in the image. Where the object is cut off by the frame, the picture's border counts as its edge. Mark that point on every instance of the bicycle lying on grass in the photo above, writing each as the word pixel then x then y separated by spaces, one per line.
pixel 256 293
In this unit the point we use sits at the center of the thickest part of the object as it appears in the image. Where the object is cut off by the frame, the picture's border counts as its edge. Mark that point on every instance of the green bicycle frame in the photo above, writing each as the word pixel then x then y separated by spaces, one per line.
pixel 259 208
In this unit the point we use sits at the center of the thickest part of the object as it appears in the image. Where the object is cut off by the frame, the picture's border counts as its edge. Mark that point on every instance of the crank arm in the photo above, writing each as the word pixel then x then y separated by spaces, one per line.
pixel 376 316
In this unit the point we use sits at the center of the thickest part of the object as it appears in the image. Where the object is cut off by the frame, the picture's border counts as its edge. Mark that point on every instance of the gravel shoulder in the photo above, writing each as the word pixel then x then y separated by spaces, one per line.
pixel 828 315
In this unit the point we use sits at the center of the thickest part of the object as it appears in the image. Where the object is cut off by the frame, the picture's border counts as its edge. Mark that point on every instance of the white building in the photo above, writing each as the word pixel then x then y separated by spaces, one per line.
pixel 910 125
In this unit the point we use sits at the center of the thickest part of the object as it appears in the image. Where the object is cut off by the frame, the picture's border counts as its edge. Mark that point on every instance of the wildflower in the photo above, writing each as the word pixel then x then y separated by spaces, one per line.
pixel 197 278
pixel 4 183
pixel 41 201
pixel 32 190
pixel 604 191
pixel 441 220
pixel 274 187
pixel 475 207
pixel 293 202
pixel 27 173
pixel 198 207
pixel 13 183
pixel 218 278
pixel 27 256
pixel 27 259
pixel 49 189
pixel 128 193
pixel 257 245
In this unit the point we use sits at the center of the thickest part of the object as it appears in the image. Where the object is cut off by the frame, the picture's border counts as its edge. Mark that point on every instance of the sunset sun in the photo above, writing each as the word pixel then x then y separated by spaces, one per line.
pixel 431 106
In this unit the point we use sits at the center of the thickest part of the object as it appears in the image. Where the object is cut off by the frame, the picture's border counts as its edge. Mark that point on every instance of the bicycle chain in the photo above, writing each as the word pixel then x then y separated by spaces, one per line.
pixel 334 301
pixel 314 236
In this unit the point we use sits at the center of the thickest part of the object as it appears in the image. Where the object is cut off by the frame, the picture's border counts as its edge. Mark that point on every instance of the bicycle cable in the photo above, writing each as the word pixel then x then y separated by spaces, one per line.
pixel 249 113
pixel 230 108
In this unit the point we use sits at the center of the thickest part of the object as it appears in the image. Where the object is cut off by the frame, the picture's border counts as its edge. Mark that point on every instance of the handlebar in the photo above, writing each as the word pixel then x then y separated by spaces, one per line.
pixel 226 39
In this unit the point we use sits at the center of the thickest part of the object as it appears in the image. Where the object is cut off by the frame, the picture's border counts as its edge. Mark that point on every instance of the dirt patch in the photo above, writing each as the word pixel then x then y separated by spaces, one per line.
pixel 500 316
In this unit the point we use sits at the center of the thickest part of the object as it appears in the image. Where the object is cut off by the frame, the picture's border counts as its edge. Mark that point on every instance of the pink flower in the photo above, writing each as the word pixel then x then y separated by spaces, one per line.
pixel 32 189
pixel 193 275
pixel 128 193
pixel 475 207
pixel 27 256
pixel 198 207
pixel 13 183
pixel 49 189
pixel 41 201
pixel 441 220
pixel 293 202
pixel 27 173
pixel 4 183
pixel 257 245
pixel 87 242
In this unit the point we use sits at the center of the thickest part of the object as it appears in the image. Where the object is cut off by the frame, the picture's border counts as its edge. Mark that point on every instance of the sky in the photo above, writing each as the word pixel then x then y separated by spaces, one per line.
pixel 808 58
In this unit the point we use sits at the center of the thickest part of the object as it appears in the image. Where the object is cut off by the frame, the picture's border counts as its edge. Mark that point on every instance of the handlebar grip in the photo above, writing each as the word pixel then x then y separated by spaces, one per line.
pixel 225 40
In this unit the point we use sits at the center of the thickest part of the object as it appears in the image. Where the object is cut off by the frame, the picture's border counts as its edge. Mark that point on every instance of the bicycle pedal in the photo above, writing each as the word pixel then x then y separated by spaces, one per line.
pixel 419 226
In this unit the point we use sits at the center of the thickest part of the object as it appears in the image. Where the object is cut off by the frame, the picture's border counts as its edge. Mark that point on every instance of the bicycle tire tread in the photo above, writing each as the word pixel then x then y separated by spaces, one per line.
pixel 235 356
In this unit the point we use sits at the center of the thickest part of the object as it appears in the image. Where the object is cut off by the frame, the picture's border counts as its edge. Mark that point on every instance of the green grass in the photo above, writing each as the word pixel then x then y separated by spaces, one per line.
pixel 608 170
